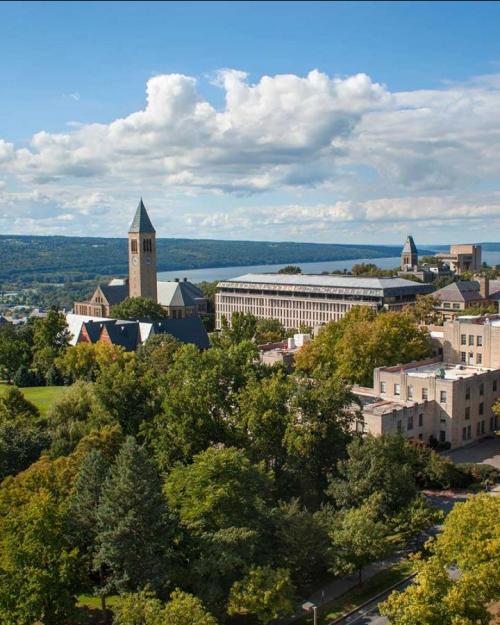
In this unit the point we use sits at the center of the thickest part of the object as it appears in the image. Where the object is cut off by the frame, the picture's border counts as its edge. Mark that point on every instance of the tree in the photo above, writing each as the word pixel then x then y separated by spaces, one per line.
pixel 424 310
pixel 14 405
pixel 21 443
pixel 133 529
pixel 51 337
pixel 158 353
pixel 241 328
pixel 269 331
pixel 301 544
pixel 23 377
pixel 220 489
pixel 134 308
pixel 143 608
pixel 84 505
pixel 264 592
pixel 469 541
pixel 14 353
pixel 290 269
pixel 84 361
pixel 383 465
pixel 359 537
pixel 39 569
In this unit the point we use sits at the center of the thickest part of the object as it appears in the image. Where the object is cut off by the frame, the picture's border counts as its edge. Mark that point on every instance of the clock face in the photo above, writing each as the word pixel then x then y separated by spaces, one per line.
pixel 148 260
pixel 135 261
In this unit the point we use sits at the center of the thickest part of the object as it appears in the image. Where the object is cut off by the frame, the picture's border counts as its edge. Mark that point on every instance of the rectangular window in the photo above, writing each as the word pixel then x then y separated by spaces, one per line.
pixel 479 341
pixel 469 432
pixel 410 422
pixel 133 246
pixel 400 426
pixel 383 387
pixel 482 427
pixel 481 389
pixel 463 357
pixel 467 412
pixel 463 339
pixel 442 397
pixel 471 339
pixel 471 357
pixel 420 420
pixel 491 424
pixel 456 306
pixel 397 389
pixel 425 393
pixel 467 392
pixel 478 428
pixel 410 392
pixel 442 436
pixel 464 434
pixel 479 358
pixel 481 408
pixel 494 386
pixel 446 305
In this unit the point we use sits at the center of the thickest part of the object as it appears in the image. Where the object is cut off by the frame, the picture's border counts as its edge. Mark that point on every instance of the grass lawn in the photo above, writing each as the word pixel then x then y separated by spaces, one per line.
pixel 41 396
pixel 357 596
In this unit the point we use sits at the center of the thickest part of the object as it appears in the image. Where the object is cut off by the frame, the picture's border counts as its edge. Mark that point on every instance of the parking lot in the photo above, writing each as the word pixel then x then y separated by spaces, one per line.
pixel 485 452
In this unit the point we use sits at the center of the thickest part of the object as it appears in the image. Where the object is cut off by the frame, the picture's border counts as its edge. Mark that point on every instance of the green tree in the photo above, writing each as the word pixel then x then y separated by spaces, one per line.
pixel 383 465
pixel 158 353
pixel 358 538
pixel 264 592
pixel 14 405
pixel 469 541
pixel 51 337
pixel 290 269
pixel 185 609
pixel 242 327
pixel 133 528
pixel 39 569
pixel 21 443
pixel 220 489
pixel 84 361
pixel 14 353
pixel 23 377
pixel 134 308
pixel 269 331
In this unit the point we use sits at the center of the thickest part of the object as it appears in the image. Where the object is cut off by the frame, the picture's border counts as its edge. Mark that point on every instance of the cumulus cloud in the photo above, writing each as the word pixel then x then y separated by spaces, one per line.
pixel 385 157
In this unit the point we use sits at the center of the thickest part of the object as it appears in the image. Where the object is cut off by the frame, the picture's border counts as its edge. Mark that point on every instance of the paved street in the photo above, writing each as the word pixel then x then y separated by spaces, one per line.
pixel 484 452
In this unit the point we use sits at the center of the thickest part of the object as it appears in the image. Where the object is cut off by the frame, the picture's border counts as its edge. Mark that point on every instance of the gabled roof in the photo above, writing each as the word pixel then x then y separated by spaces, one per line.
pixel 180 293
pixel 186 330
pixel 124 333
pixel 141 221
pixel 461 291
pixel 409 246
pixel 114 293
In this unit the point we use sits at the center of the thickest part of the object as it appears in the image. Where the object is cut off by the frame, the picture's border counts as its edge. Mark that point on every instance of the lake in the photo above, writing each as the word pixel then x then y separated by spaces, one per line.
pixel 226 273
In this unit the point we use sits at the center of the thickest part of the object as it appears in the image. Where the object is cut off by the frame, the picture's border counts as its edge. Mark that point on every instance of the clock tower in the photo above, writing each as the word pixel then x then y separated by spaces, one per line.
pixel 142 256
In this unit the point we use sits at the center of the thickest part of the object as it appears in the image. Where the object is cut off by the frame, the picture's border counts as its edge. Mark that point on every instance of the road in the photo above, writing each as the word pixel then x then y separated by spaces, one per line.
pixel 369 614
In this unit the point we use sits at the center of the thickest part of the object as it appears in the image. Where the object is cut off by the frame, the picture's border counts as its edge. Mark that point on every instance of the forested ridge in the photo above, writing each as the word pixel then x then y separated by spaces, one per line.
pixel 28 258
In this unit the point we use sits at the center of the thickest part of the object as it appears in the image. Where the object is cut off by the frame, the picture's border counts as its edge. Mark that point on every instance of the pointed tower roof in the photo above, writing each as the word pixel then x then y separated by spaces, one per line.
pixel 141 221
pixel 409 246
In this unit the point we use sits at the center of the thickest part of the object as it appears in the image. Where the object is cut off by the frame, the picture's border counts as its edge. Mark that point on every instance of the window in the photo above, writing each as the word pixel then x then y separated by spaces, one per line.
pixel 425 393
pixel 442 397
pixel 478 428
pixel 479 341
pixel 467 392
pixel 463 339
pixel 481 408
pixel 491 424
pixel 469 432
pixel 471 339
pixel 420 420
pixel 481 389
pixel 463 357
pixel 467 412
pixel 133 246
pixel 383 387
pixel 442 436
pixel 479 358
pixel 471 357
pixel 456 306
pixel 410 392
pixel 494 386
pixel 446 305
pixel 464 434
pixel 410 422
pixel 400 426
pixel 397 389
pixel 482 427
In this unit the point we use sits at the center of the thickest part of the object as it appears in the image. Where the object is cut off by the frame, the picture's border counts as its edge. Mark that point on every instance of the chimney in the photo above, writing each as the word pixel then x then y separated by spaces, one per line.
pixel 484 286
pixel 185 279
pixel 177 279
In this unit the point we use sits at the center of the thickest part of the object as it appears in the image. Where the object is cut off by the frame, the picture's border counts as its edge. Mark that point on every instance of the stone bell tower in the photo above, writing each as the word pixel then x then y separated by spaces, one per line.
pixel 142 256
pixel 409 255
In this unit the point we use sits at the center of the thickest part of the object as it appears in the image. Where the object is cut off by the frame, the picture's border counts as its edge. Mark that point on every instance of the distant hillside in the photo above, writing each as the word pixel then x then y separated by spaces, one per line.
pixel 26 259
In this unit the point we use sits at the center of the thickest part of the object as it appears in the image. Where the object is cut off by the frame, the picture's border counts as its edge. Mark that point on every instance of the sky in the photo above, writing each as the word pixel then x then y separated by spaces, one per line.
pixel 341 122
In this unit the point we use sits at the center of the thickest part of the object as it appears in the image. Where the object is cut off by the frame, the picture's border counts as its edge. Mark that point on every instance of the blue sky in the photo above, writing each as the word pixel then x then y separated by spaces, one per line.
pixel 395 132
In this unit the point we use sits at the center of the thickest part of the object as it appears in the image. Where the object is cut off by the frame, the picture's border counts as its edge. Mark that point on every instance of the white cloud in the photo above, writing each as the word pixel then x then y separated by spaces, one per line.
pixel 390 158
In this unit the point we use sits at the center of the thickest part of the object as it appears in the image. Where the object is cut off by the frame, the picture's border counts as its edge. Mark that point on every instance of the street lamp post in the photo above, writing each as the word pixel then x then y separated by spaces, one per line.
pixel 308 606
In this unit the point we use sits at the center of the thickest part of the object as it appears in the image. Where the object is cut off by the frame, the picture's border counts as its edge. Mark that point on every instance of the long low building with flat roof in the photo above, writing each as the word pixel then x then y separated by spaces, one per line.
pixel 311 300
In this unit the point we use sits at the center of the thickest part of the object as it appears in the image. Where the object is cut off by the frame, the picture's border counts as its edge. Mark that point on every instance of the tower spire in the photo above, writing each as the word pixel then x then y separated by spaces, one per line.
pixel 141 221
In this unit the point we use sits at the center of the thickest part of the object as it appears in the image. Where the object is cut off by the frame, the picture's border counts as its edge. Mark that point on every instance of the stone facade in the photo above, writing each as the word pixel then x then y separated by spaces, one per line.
pixel 142 256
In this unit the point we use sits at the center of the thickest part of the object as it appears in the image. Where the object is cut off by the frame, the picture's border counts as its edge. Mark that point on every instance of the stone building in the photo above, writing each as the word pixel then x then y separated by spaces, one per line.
pixel 450 403
pixel 455 298
pixel 179 298
pixel 409 255
pixel 462 258
pixel 311 300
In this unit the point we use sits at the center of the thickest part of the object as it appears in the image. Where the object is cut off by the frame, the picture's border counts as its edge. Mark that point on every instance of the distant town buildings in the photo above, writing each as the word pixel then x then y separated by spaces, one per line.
pixel 311 300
